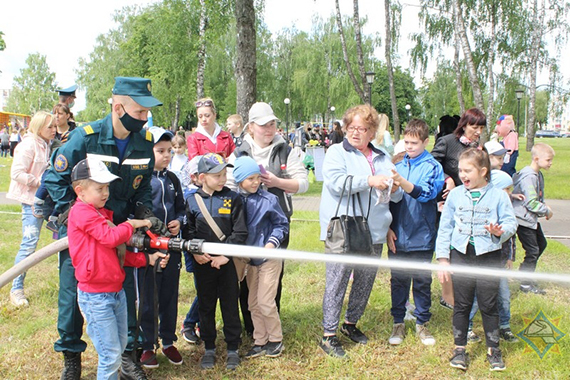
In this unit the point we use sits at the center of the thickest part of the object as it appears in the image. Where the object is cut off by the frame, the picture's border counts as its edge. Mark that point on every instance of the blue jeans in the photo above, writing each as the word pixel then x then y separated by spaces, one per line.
pixel 503 303
pixel 106 315
pixel 31 227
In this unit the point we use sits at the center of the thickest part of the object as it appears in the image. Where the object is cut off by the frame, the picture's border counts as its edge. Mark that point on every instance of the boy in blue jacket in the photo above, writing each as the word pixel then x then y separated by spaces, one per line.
pixel 267 226
pixel 168 206
pixel 413 230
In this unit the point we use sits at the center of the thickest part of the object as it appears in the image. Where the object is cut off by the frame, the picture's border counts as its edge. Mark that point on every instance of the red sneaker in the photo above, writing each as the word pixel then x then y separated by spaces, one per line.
pixel 173 355
pixel 148 359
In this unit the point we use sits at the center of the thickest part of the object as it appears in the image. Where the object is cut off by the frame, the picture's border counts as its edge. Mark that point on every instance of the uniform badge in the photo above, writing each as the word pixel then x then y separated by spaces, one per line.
pixel 228 203
pixel 137 181
pixel 224 211
pixel 60 163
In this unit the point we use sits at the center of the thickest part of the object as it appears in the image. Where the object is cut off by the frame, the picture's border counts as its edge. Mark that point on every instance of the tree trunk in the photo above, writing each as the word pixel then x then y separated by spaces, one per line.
pixel 355 82
pixel 388 45
pixel 458 79
pixel 491 79
pixel 201 52
pixel 471 69
pixel 246 69
pixel 176 119
pixel 358 37
pixel 537 28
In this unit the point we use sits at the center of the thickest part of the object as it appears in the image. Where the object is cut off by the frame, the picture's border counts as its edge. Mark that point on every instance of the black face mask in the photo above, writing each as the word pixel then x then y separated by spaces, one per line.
pixel 130 123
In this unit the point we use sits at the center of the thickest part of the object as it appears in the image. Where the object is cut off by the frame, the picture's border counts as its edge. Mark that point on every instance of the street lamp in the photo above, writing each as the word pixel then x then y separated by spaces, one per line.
pixel 332 114
pixel 519 93
pixel 370 79
pixel 287 101
pixel 408 109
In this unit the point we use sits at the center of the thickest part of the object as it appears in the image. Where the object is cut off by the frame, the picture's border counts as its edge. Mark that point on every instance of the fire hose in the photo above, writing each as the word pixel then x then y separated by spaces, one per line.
pixel 141 241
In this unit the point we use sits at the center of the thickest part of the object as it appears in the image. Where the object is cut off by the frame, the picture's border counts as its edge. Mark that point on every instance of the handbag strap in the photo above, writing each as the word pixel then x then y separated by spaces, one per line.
pixel 348 180
pixel 209 218
pixel 360 203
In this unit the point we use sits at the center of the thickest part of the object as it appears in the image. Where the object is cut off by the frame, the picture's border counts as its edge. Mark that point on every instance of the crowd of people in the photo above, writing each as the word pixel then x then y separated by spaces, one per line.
pixel 100 182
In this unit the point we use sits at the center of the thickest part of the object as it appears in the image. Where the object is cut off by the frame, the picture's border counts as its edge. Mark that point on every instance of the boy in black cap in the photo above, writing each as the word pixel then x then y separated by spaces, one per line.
pixel 117 140
pixel 98 263
pixel 216 276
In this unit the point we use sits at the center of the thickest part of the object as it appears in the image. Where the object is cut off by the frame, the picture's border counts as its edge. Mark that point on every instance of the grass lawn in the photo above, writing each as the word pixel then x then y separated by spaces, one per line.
pixel 27 335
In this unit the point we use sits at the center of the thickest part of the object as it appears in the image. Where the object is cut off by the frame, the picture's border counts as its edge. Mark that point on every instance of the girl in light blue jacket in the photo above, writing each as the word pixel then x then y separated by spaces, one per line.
pixel 477 219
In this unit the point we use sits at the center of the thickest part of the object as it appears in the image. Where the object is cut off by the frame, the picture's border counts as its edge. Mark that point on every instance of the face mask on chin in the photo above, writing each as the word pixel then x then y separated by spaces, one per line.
pixel 70 105
pixel 130 123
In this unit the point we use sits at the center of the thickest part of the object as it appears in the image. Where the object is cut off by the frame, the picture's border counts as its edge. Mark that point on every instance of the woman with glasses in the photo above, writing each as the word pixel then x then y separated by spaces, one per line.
pixel 209 136
pixel 371 170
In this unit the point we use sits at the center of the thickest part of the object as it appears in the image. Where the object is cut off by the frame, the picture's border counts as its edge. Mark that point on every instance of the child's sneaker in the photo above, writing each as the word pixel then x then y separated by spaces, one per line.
pixel 495 358
pixel 208 360
pixel 148 359
pixel 232 361
pixel 353 333
pixel 459 359
pixel 255 352
pixel 331 346
pixel 445 304
pixel 508 335
pixel 472 337
pixel 18 298
pixel 52 224
pixel 424 335
pixel 189 335
pixel 273 349
pixel 173 355
pixel 398 334
pixel 38 208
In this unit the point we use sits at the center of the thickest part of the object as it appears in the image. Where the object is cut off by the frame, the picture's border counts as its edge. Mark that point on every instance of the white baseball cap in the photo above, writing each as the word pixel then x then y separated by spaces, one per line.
pixel 261 113
pixel 93 169
pixel 495 149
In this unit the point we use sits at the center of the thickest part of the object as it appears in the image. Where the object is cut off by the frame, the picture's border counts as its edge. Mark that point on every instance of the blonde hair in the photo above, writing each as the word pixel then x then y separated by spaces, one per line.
pixel 236 118
pixel 479 159
pixel 38 121
pixel 540 149
pixel 177 139
pixel 384 124
pixel 213 107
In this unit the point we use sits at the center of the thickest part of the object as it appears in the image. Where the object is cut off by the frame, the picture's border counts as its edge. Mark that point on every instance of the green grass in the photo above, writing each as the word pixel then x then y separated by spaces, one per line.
pixel 27 335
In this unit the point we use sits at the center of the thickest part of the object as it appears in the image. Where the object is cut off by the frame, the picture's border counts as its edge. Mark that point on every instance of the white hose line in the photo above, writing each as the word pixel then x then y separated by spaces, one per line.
pixel 260 253
pixel 32 260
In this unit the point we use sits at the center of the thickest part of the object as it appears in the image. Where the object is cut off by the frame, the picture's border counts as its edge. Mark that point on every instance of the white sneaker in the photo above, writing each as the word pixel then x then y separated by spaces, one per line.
pixel 398 334
pixel 18 298
pixel 424 335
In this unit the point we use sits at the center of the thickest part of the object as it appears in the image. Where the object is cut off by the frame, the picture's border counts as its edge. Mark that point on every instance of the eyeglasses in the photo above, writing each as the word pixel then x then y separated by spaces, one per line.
pixel 359 129
pixel 205 103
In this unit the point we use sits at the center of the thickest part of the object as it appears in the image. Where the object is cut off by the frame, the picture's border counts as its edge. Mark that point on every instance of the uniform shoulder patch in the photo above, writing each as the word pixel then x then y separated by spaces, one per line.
pixel 148 136
pixel 60 163
pixel 88 130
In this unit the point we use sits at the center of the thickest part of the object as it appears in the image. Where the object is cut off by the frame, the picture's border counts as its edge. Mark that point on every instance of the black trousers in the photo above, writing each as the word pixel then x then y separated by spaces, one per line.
pixel 465 286
pixel 244 294
pixel 534 244
pixel 213 284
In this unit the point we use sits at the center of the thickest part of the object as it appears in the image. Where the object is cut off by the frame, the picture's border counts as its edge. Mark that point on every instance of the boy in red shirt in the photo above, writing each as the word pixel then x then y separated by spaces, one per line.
pixel 98 263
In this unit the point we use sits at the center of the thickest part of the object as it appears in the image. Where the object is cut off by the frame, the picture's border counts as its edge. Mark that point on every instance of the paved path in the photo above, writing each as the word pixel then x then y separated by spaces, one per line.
pixel 557 228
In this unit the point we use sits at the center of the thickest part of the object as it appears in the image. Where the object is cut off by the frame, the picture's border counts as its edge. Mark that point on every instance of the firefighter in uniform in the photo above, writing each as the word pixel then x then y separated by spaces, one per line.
pixel 121 143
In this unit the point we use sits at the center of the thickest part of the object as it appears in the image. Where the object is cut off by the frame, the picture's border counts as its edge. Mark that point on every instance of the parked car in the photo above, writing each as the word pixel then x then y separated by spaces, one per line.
pixel 544 133
pixel 565 134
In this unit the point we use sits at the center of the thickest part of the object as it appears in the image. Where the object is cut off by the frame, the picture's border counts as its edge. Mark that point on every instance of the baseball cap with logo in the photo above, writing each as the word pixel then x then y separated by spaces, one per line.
pixel 261 113
pixel 139 89
pixel 160 134
pixel 93 169
pixel 212 163
pixel 495 149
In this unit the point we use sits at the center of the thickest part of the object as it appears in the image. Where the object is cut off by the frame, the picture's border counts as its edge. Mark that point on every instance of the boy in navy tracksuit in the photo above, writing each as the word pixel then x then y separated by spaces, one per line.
pixel 168 206
pixel 216 276
pixel 413 232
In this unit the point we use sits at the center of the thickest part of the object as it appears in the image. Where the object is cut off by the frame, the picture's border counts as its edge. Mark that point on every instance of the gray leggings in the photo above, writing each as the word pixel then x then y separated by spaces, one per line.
pixel 337 276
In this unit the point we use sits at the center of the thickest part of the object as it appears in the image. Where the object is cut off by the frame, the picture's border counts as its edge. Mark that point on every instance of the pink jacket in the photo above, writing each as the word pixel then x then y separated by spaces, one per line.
pixel 31 159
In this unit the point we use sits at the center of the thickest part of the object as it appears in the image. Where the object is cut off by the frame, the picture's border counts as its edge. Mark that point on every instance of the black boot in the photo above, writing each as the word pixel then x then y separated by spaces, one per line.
pixel 72 363
pixel 131 369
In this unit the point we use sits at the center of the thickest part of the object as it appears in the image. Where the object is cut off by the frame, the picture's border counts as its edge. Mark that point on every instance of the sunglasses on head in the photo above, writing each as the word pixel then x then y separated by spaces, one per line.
pixel 205 103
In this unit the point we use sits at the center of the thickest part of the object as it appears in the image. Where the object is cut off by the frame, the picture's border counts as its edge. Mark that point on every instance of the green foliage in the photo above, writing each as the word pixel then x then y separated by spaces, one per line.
pixel 2 42
pixel 34 89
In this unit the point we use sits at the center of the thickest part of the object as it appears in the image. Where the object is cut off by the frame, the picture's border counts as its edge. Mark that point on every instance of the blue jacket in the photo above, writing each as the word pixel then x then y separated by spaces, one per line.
pixel 266 221
pixel 342 160
pixel 167 197
pixel 414 217
pixel 460 220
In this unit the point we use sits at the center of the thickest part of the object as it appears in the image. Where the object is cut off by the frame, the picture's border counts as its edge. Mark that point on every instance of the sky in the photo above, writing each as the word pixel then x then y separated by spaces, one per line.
pixel 67 32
